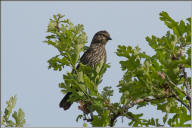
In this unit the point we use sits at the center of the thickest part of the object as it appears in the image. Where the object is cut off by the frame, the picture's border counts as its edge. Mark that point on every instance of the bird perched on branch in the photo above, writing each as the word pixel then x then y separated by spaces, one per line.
pixel 94 54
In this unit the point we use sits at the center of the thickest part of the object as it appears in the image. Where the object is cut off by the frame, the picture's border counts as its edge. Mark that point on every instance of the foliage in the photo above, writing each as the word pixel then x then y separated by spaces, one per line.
pixel 161 76
pixel 160 79
pixel 18 116
pixel 68 39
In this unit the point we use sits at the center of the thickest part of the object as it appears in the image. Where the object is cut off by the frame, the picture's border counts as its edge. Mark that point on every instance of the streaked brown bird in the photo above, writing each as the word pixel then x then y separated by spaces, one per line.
pixel 94 54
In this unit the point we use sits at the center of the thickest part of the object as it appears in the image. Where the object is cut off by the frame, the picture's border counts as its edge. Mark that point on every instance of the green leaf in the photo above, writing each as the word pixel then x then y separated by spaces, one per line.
pixel 84 124
pixel 165 118
pixel 10 123
pixel 182 28
pixel 19 118
pixel 107 92
pixel 10 105
pixel 79 117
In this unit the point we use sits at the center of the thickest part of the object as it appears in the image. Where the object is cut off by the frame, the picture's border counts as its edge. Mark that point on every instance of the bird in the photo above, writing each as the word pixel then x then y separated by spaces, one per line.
pixel 92 56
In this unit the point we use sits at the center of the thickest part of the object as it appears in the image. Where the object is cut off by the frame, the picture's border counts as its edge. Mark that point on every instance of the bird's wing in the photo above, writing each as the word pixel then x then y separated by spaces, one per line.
pixel 87 57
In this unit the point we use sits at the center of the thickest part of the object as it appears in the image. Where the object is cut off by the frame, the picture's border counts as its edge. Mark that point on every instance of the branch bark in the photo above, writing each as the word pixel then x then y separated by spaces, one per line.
pixel 187 86
pixel 187 93
pixel 175 86
pixel 130 105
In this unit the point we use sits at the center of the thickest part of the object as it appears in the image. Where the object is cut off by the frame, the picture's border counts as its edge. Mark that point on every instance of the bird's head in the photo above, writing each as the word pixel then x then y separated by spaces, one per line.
pixel 101 37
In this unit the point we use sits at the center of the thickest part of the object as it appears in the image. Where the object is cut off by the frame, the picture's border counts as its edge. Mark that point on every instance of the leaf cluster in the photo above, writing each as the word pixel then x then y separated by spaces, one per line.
pixel 68 39
pixel 160 76
pixel 18 116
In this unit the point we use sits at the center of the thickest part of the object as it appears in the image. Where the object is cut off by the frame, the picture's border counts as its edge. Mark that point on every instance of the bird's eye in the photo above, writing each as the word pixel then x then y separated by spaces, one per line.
pixel 104 35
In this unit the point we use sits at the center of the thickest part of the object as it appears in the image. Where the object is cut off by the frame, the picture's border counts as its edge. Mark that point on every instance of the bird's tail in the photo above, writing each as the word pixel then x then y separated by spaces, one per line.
pixel 65 104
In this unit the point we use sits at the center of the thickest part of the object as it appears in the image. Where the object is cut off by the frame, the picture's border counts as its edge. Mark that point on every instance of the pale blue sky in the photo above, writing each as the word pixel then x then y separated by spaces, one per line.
pixel 24 55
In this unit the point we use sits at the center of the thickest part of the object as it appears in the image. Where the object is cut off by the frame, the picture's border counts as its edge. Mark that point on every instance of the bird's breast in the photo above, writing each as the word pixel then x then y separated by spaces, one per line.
pixel 93 55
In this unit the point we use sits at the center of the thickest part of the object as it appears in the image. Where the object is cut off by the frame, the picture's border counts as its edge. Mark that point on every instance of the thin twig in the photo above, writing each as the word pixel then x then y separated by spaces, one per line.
pixel 175 86
pixel 130 105
pixel 177 98
pixel 187 86
pixel 115 116
pixel 57 25
pixel 187 94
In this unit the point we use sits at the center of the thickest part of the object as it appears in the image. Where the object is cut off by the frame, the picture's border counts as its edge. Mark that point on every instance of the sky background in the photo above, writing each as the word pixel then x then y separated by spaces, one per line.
pixel 24 55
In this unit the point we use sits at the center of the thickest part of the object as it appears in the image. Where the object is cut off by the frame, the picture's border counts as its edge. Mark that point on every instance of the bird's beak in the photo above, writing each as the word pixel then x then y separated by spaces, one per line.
pixel 109 38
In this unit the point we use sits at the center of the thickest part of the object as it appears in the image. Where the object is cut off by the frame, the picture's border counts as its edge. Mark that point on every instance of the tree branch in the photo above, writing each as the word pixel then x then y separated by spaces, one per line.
pixel 115 116
pixel 177 98
pixel 57 24
pixel 130 105
pixel 187 86
pixel 175 86
pixel 187 93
